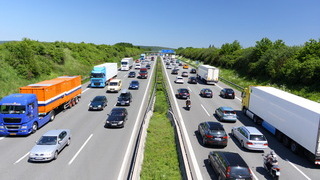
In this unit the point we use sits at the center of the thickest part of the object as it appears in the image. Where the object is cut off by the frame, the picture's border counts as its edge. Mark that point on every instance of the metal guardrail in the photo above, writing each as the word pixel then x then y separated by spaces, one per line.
pixel 229 82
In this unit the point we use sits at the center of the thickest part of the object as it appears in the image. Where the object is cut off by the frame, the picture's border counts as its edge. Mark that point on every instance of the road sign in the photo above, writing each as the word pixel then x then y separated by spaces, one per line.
pixel 167 51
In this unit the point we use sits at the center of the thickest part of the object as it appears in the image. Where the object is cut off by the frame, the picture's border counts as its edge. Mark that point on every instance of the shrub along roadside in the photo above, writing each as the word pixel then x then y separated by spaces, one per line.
pixel 160 155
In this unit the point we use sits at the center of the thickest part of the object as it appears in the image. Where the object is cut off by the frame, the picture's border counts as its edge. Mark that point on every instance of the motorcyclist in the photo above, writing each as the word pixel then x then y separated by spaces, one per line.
pixel 188 102
pixel 271 158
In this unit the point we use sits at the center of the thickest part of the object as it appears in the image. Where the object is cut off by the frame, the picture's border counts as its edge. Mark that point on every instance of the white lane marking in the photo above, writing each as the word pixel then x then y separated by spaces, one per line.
pixel 254 176
pixel 222 88
pixel 189 89
pixel 129 147
pixel 185 133
pixel 75 156
pixel 85 90
pixel 298 169
pixel 21 158
pixel 1 138
pixel 205 110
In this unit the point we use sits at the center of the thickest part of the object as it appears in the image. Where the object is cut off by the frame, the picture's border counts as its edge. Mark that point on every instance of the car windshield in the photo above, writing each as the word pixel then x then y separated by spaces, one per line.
pixel 257 138
pixel 113 84
pixel 47 140
pixel 183 91
pixel 134 82
pixel 131 73
pixel 117 113
pixel 229 112
pixel 8 109
pixel 98 99
pixel 239 171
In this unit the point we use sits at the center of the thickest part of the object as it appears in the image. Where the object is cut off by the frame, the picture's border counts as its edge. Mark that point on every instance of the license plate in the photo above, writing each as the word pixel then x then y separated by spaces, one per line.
pixel 123 103
pixel 219 139
pixel 13 133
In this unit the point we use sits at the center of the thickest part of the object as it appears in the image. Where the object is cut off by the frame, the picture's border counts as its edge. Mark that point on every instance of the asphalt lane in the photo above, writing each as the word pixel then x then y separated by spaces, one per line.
pixel 95 152
pixel 292 166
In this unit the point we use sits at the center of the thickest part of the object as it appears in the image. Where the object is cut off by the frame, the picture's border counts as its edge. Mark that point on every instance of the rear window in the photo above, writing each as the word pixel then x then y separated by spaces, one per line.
pixel 229 90
pixel 257 138
pixel 184 91
pixel 218 132
pixel 239 171
pixel 229 112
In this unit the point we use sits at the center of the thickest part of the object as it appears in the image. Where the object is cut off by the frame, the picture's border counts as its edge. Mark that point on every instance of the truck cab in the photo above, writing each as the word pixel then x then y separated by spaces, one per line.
pixel 19 115
pixel 98 77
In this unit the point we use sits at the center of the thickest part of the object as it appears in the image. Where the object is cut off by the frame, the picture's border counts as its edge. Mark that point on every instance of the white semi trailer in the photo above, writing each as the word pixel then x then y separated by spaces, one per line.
pixel 295 121
pixel 126 64
pixel 208 74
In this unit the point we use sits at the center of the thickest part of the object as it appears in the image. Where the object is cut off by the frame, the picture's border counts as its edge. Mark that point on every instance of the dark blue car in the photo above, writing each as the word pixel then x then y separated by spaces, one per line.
pixel 134 85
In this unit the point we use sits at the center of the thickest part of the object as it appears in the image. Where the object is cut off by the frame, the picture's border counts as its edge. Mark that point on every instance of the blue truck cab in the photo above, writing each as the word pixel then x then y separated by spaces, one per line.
pixel 19 115
pixel 98 77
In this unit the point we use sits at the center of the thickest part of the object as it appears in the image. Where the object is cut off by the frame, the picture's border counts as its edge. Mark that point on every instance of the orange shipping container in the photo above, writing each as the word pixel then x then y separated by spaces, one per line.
pixel 53 93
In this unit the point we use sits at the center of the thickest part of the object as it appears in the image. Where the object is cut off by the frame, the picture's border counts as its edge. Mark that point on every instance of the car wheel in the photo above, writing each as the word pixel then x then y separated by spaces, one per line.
pixel 232 132
pixel 204 141
pixel 34 127
pixel 55 155
pixel 69 142
pixel 219 177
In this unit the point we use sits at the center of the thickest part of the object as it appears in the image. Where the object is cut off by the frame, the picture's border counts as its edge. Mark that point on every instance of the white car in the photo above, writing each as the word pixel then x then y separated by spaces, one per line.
pixel 179 80
pixel 250 138
pixel 137 66
pixel 50 144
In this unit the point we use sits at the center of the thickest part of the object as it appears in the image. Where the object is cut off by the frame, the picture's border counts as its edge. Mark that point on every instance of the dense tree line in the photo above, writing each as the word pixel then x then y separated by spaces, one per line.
pixel 27 61
pixel 275 62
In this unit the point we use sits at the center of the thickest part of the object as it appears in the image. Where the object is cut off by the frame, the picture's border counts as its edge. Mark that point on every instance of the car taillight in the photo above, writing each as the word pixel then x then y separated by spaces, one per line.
pixel 209 136
pixel 249 143
pixel 228 172
pixel 265 144
pixel 180 93
pixel 225 137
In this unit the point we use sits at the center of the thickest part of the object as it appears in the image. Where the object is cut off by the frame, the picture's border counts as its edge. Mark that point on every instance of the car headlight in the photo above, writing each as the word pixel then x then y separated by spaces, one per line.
pixel 120 122
pixel 90 106
pixel 99 106
pixel 127 101
pixel 1 127
pixel 23 127
pixel 107 121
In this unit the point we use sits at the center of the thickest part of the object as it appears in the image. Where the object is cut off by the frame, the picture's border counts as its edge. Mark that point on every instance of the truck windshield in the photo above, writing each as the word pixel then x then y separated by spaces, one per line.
pixel 10 109
pixel 124 63
pixel 96 75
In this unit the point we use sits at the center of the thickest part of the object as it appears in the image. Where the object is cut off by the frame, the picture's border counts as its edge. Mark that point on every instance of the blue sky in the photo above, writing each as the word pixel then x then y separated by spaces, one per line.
pixel 175 23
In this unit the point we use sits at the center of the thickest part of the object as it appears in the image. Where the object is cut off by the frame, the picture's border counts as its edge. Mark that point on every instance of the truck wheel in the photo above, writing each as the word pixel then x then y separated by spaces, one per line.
pixel 285 141
pixel 52 115
pixel 77 100
pixel 279 135
pixel 34 127
pixel 294 147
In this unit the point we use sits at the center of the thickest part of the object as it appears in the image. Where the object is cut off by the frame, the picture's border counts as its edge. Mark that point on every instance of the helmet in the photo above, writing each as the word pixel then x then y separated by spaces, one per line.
pixel 272 152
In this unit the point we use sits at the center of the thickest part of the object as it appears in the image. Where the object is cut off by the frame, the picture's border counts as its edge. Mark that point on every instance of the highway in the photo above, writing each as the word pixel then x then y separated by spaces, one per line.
pixel 95 152
pixel 292 166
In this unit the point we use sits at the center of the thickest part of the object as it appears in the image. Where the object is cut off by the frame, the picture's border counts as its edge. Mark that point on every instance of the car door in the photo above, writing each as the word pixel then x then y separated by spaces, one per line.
pixel 62 139
pixel 201 129
pixel 218 112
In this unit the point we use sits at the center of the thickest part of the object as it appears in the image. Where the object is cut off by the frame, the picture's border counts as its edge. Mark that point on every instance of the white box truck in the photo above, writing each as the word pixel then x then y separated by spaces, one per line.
pixel 295 121
pixel 126 64
pixel 209 74
pixel 102 73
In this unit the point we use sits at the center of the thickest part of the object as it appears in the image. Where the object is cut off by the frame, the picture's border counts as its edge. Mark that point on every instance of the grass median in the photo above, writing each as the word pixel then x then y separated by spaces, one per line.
pixel 160 156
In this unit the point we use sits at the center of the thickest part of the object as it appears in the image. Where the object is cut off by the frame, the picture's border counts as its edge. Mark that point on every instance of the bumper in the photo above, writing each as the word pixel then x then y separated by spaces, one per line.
pixel 40 158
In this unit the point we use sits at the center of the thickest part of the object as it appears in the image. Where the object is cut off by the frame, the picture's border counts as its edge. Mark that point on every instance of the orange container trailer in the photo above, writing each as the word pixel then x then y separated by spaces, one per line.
pixel 63 91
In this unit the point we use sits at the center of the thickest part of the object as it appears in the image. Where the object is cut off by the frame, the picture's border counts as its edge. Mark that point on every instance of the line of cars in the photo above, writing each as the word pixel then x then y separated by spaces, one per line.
pixel 227 165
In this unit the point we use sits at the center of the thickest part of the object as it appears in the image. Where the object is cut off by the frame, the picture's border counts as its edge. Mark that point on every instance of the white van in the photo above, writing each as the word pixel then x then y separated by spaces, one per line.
pixel 114 85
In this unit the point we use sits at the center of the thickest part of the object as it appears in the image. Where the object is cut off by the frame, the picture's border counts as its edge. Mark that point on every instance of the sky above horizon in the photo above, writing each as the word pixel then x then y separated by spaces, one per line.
pixel 176 23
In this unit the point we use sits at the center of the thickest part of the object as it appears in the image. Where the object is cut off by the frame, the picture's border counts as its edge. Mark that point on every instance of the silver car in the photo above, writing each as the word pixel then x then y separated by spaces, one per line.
pixel 50 144
pixel 250 138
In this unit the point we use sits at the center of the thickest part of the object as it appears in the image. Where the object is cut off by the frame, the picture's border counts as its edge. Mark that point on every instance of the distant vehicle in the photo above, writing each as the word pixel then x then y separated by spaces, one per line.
pixel 226 114
pixel 180 64
pixel 132 74
pixel 184 74
pixel 227 93
pixel 152 58
pixel 102 73
pixel 208 74
pixel 174 71
pixel 182 93
pixel 168 63
pixel 50 144
pixel 125 98
pixel 250 138
pixel 192 80
pixel 148 66
pixel 134 85
pixel 229 165
pixel 179 80
pixel 98 103
pixel 212 133
pixel 193 71
pixel 117 117
pixel 206 92
pixel 126 64
pixel 169 66
pixel 185 66
pixel 114 85
pixel 137 66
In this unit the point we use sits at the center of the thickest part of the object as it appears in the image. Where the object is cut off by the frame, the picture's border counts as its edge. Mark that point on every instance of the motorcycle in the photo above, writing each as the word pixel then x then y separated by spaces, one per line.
pixel 274 170
pixel 188 107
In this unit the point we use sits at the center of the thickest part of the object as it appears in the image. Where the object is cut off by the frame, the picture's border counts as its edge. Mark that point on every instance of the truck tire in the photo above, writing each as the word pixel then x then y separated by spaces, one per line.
pixel 34 127
pixel 285 141
pixel 52 115
pixel 278 135
pixel 244 110
pixel 294 147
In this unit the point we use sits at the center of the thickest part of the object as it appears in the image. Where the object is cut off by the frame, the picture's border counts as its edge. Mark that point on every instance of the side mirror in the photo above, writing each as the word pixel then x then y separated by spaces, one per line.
pixel 59 142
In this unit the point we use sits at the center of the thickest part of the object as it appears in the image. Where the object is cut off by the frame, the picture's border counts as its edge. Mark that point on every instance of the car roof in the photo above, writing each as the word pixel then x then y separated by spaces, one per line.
pixel 55 132
pixel 118 109
pixel 253 130
pixel 183 89
pixel 224 108
pixel 232 158
pixel 214 124
pixel 134 81
pixel 179 77
pixel 228 89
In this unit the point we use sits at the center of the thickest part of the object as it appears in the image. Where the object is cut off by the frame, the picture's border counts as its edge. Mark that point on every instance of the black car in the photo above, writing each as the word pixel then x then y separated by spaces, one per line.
pixel 132 74
pixel 134 85
pixel 174 71
pixel 148 66
pixel 182 93
pixel 229 165
pixel 192 80
pixel 98 103
pixel 117 117
pixel 213 133
pixel 227 93
pixel 205 92
pixel 125 98
pixel 193 71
